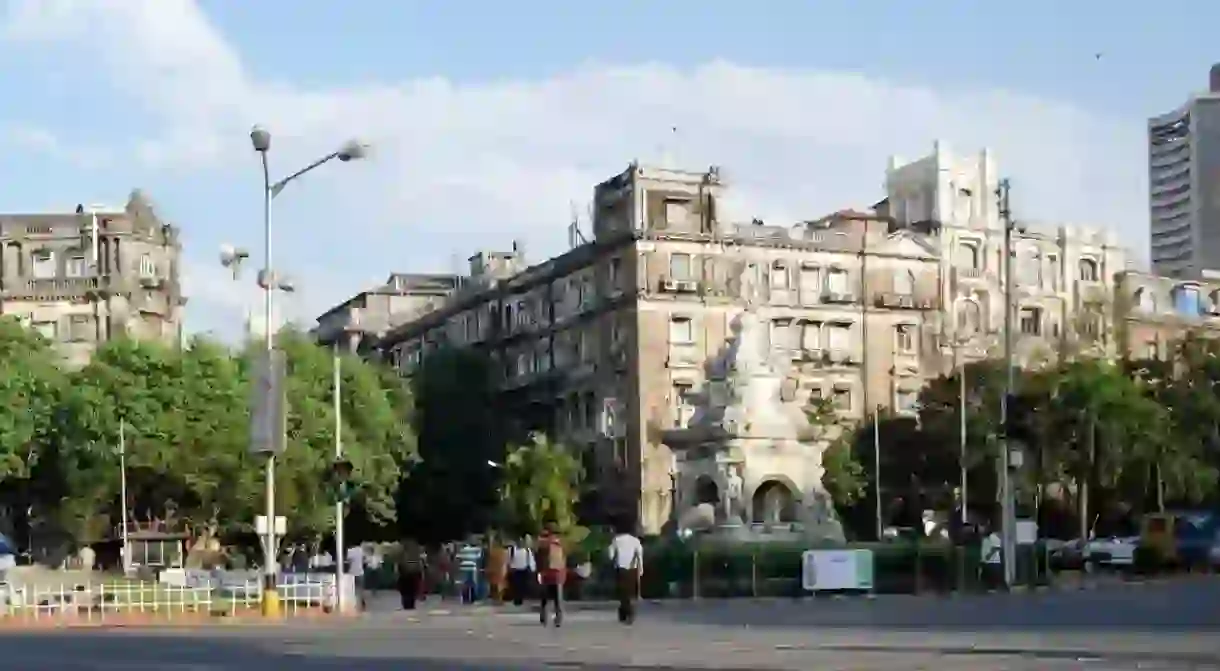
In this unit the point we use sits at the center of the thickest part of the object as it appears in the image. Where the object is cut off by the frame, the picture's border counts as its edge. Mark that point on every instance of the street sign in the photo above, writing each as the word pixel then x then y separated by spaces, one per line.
pixel 281 525
pixel 268 404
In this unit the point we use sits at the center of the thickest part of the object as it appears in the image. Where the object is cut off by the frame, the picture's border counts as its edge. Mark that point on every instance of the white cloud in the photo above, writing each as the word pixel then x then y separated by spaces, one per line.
pixel 465 165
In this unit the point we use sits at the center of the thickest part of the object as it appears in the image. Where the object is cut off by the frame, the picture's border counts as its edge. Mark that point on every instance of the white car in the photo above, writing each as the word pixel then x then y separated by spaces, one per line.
pixel 1113 551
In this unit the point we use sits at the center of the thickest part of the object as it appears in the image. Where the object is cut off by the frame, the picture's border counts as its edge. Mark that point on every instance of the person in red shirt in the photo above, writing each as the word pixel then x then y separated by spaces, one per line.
pixel 552 570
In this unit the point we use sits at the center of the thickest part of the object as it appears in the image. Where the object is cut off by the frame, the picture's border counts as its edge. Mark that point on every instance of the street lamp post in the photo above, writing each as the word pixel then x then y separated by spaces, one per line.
pixel 260 139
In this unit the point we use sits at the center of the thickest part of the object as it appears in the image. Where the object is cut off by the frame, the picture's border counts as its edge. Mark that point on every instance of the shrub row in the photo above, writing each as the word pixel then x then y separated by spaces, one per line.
pixel 682 570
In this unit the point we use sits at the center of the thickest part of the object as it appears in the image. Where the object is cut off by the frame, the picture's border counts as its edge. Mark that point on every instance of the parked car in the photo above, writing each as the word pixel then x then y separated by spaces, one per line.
pixel 1115 551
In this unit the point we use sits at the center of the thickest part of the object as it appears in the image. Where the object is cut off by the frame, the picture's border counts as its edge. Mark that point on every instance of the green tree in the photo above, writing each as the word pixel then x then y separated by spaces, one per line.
pixel 843 475
pixel 376 436
pixel 31 382
pixel 541 483
pixel 453 491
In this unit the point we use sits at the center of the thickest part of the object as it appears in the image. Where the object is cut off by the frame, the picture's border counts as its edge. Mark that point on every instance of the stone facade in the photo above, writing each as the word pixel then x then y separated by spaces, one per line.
pixel 50 280
pixel 358 322
pixel 1152 312
pixel 609 345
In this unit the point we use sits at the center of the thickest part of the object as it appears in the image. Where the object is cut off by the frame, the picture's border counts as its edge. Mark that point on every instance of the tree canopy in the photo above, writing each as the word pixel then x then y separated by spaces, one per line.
pixel 181 415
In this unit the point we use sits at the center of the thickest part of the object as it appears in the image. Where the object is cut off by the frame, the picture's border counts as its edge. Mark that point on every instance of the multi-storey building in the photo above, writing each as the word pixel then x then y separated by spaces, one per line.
pixel 1183 200
pixel 608 345
pixel 357 322
pixel 1153 312
pixel 84 277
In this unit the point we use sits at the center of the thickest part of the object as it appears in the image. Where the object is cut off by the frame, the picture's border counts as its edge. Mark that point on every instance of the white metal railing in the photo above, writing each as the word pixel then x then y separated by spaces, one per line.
pixel 115 600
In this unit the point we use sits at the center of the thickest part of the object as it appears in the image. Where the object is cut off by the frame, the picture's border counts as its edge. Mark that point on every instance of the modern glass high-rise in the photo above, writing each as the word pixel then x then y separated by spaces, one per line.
pixel 1184 185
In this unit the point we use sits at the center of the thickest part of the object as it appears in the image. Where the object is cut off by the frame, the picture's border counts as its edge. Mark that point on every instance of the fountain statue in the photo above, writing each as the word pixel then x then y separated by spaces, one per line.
pixel 759 451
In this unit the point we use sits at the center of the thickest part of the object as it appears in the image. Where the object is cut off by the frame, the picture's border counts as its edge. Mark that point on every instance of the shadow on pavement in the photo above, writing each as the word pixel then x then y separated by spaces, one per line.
pixel 139 651
pixel 1186 606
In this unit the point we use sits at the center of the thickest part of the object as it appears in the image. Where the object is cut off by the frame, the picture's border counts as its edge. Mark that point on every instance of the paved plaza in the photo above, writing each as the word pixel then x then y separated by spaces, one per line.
pixel 1170 626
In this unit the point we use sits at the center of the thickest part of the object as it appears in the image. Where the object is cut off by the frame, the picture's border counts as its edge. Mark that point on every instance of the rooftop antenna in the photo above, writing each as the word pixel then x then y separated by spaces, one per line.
pixel 576 237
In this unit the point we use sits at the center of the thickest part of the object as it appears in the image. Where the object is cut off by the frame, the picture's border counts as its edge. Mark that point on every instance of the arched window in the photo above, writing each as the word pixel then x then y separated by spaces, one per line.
pixel 967 256
pixel 1186 300
pixel 1088 271
pixel 969 317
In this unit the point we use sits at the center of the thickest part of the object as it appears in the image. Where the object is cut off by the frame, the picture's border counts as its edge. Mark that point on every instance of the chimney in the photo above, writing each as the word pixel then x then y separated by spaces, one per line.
pixel 1213 78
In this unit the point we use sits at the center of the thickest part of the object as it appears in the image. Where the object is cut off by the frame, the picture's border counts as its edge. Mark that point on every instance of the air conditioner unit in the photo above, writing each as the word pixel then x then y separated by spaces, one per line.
pixel 687 286
pixel 669 285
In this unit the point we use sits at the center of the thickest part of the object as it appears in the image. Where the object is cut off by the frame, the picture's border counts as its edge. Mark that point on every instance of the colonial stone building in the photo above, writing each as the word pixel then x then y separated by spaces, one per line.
pixel 358 322
pixel 84 277
pixel 1152 312
pixel 608 345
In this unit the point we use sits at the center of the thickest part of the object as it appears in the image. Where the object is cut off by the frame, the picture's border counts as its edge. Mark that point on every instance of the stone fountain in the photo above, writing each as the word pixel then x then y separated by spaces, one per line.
pixel 749 463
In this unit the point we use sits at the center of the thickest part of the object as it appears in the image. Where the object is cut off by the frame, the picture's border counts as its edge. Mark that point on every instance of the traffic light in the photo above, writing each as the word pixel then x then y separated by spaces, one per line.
pixel 1019 426
pixel 341 486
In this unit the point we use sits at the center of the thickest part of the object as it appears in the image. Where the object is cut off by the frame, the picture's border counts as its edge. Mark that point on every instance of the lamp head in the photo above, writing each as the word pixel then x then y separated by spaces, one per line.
pixel 230 255
pixel 353 150
pixel 260 138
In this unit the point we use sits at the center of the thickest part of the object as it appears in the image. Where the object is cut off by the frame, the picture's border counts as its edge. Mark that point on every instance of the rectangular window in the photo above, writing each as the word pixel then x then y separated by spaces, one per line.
pixel 811 336
pixel 779 276
pixel 842 399
pixel 676 213
pixel 1031 321
pixel 683 407
pixel 907 400
pixel 838 336
pixel 612 276
pixel 836 281
pixel 43 264
pixel 904 338
pixel 679 266
pixel 47 329
pixel 75 267
pixel 782 335
pixel 148 269
pixel 681 331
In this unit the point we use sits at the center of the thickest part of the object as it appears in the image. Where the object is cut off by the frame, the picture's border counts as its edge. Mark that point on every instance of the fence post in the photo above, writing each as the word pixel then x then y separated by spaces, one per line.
pixel 694 591
pixel 753 573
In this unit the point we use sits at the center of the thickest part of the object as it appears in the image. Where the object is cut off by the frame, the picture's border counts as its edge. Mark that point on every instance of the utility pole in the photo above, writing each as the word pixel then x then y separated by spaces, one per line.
pixel 340 554
pixel 1008 521
pixel 123 494
pixel 877 469
pixel 961 399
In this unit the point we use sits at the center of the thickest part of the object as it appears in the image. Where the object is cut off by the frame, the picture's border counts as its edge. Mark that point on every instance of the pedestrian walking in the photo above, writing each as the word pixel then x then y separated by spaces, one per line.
pixel 497 569
pixel 412 564
pixel 521 570
pixel 627 557
pixel 470 562
pixel 355 568
pixel 991 560
pixel 552 570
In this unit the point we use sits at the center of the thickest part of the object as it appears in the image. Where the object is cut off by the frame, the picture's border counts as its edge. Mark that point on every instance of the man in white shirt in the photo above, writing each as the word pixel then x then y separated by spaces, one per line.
pixel 355 568
pixel 522 568
pixel 627 557
pixel 991 559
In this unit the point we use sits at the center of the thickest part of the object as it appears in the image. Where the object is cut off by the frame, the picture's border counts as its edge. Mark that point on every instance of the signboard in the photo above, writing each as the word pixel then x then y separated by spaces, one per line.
pixel 837 570
pixel 1027 532
pixel 268 404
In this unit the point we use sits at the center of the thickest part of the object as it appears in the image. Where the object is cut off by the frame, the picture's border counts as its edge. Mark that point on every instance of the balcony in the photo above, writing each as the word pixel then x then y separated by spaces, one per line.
pixel 894 300
pixel 838 297
pixel 54 288
pixel 671 285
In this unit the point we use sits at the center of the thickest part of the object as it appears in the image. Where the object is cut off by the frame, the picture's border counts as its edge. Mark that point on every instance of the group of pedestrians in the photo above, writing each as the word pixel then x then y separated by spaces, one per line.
pixel 514 569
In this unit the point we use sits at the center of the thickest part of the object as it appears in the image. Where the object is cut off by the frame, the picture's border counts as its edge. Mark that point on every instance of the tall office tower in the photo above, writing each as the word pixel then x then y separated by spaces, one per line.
pixel 1184 185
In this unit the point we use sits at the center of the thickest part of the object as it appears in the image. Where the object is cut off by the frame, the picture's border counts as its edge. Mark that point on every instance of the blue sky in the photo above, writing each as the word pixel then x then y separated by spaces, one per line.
pixel 491 120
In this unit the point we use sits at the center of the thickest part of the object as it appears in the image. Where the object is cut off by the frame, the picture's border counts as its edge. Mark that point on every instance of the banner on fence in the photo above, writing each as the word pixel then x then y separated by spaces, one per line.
pixel 837 570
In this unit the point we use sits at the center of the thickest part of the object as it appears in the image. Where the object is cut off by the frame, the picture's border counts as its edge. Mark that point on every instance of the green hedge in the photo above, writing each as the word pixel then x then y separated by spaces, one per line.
pixel 684 570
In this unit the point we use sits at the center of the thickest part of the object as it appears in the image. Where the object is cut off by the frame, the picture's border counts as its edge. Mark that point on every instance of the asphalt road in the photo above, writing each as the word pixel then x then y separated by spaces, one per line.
pixel 1174 626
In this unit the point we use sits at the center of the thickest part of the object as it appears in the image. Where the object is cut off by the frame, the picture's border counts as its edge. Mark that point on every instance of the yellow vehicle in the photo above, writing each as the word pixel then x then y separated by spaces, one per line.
pixel 1157 534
